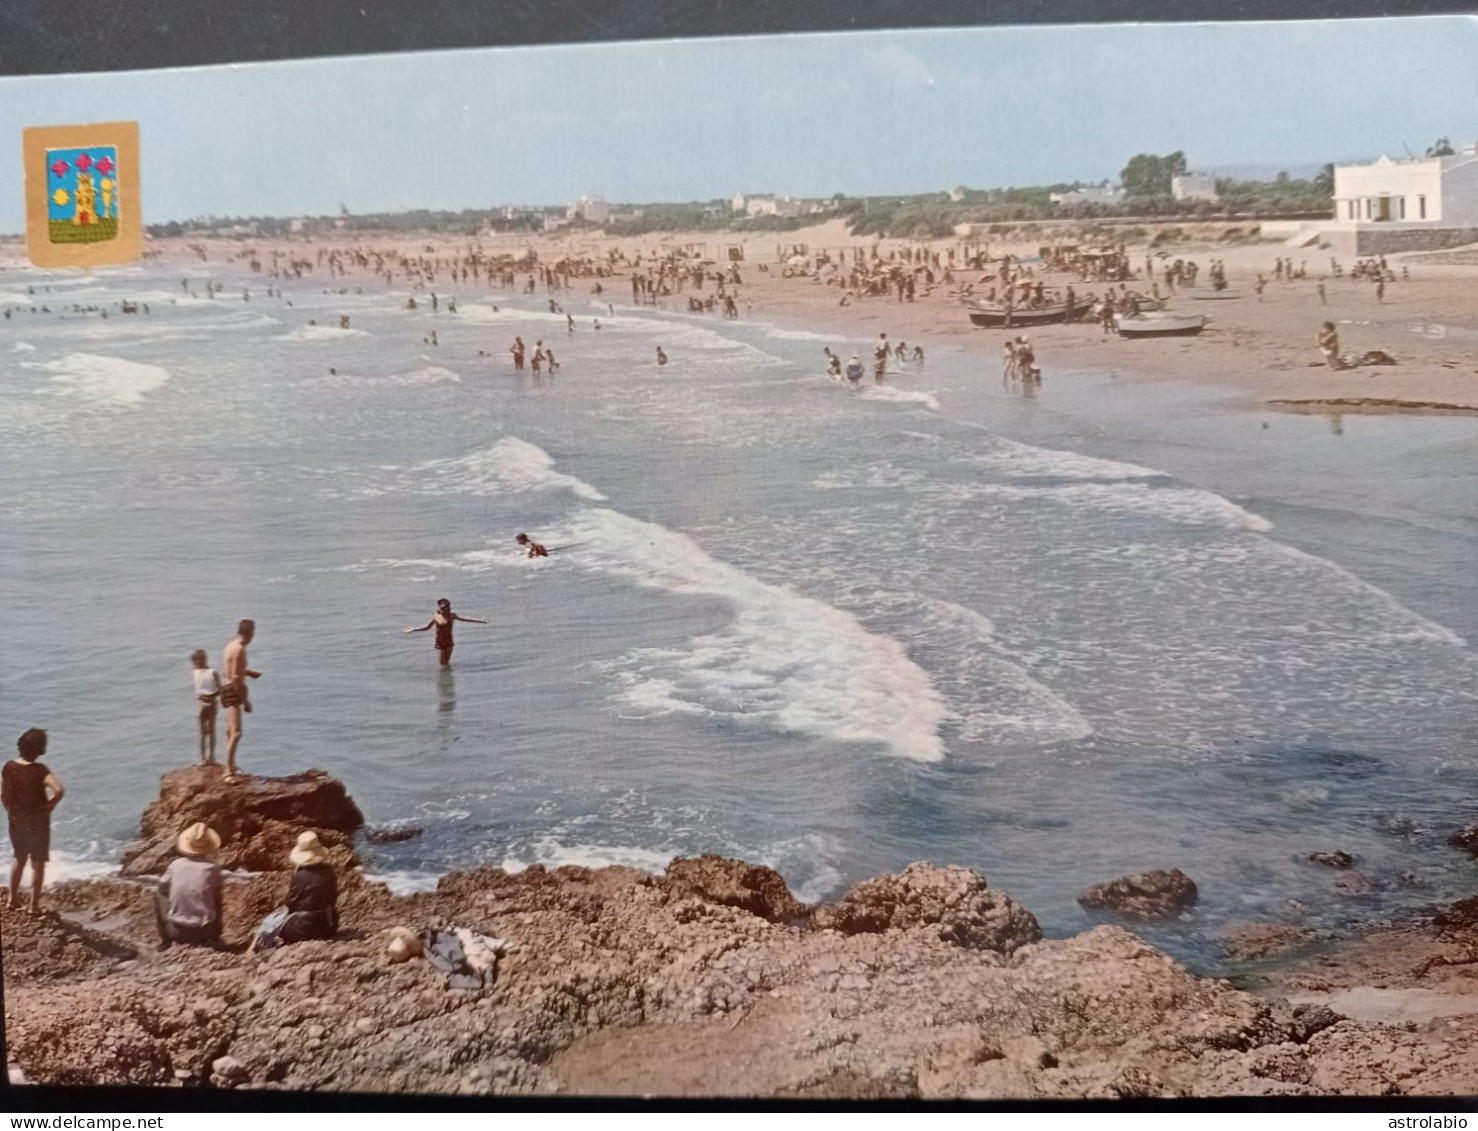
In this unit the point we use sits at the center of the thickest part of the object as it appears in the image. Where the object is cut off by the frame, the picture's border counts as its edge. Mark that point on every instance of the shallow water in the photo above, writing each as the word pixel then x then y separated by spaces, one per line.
pixel 1111 627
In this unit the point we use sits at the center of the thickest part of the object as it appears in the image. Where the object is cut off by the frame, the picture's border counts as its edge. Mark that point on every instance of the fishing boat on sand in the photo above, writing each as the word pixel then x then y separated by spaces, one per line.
pixel 1003 317
pixel 1205 294
pixel 1160 325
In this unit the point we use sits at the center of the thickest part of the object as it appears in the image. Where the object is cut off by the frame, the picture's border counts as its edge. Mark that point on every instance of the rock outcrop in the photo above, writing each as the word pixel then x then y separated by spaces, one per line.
pixel 1466 838
pixel 733 883
pixel 1335 859
pixel 953 903
pixel 712 979
pixel 1149 895
pixel 258 818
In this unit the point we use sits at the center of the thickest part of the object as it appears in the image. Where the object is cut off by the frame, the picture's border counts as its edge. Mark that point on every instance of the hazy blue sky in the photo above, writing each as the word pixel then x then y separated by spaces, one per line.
pixel 869 112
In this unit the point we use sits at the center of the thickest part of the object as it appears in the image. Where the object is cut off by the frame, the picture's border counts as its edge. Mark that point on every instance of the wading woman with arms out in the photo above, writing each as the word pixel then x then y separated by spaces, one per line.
pixel 442 621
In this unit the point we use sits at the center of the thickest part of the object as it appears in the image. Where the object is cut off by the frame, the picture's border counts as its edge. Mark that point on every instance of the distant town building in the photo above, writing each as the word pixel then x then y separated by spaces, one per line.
pixel 768 204
pixel 1106 193
pixel 957 193
pixel 1193 186
pixel 590 209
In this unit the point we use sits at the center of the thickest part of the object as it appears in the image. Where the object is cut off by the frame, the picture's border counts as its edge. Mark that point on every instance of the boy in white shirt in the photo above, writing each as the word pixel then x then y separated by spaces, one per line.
pixel 207 686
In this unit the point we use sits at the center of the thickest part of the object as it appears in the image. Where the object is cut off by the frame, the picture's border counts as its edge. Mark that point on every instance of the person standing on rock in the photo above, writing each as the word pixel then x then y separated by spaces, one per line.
pixel 187 906
pixel 442 621
pixel 24 784
pixel 234 696
pixel 207 685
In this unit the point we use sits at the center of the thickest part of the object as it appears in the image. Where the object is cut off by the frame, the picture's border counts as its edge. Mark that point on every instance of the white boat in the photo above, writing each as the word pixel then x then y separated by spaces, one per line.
pixel 1160 324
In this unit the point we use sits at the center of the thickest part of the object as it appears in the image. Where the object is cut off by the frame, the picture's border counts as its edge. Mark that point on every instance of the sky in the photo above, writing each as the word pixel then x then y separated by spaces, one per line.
pixel 859 113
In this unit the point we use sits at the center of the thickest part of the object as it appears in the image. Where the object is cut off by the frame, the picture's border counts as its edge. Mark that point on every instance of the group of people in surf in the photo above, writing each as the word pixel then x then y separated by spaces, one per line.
pixel 883 352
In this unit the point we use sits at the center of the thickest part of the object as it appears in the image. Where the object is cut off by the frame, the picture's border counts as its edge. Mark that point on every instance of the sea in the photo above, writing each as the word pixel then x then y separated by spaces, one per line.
pixel 1057 635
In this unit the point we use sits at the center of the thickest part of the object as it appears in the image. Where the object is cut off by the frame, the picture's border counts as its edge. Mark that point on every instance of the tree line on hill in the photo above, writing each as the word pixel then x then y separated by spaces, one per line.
pixel 1146 180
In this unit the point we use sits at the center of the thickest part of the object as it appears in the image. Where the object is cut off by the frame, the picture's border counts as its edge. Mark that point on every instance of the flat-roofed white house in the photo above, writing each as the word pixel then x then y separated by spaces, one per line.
pixel 1105 193
pixel 591 209
pixel 1193 186
pixel 1409 205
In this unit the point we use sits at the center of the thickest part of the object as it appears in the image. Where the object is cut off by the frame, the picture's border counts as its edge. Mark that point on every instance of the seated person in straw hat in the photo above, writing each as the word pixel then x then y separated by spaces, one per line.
pixel 312 899
pixel 187 905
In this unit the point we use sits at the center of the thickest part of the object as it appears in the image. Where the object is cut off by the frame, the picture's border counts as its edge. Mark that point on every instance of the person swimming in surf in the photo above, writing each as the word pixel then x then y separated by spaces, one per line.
pixel 536 549
pixel 442 621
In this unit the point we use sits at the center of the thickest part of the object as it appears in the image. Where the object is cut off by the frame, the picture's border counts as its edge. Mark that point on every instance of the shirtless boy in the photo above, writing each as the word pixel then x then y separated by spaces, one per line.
pixel 234 696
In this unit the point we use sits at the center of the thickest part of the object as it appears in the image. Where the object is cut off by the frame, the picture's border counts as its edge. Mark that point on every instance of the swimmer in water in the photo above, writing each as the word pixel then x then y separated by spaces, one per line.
pixel 442 621
pixel 536 549
pixel 661 357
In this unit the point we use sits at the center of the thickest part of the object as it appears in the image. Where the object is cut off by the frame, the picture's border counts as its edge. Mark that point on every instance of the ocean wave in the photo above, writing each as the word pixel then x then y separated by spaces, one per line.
pixel 1015 459
pixel 510 464
pixel 1408 625
pixel 1187 505
pixel 785 661
pixel 108 381
pixel 899 396
pixel 428 375
pixel 553 853
pixel 320 334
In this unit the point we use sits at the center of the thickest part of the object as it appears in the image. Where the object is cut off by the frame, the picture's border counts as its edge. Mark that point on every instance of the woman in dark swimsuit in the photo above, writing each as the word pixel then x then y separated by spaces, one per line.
pixel 442 622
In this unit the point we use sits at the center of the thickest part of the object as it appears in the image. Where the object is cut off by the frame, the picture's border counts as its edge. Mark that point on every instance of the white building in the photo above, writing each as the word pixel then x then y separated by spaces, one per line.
pixel 1436 192
pixel 1105 193
pixel 591 209
pixel 1193 186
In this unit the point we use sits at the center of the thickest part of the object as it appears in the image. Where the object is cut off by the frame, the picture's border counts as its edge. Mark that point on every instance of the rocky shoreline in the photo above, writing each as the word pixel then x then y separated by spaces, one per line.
pixel 711 979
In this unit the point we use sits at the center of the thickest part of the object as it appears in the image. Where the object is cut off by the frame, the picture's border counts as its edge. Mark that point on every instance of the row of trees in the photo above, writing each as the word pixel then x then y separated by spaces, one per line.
pixel 1146 180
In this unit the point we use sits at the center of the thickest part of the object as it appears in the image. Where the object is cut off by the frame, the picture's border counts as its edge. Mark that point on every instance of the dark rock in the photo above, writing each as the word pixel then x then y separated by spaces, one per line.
pixel 393 835
pixel 733 883
pixel 1466 839
pixel 1400 824
pixel 954 901
pixel 1311 1019
pixel 1462 915
pixel 259 819
pixel 1332 859
pixel 1263 940
pixel 1150 895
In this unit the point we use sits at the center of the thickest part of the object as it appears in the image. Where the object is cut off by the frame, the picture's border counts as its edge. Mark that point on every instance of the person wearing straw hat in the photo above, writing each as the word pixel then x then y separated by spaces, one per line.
pixel 187 906
pixel 312 899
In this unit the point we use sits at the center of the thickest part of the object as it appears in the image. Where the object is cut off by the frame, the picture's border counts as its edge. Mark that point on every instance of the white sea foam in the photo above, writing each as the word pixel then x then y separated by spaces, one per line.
pixel 1188 505
pixel 320 334
pixel 109 381
pixel 404 882
pixel 785 661
pixel 797 335
pixel 1016 459
pixel 510 464
pixel 65 867
pixel 428 375
pixel 900 396
pixel 552 853
pixel 431 375
pixel 1406 625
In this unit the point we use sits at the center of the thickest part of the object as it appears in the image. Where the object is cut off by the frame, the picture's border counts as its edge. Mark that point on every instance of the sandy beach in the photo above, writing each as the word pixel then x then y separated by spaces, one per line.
pixel 1264 350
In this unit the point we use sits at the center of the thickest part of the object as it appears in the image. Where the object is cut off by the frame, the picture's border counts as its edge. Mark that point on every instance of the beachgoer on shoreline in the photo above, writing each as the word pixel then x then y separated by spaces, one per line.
pixel 29 791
